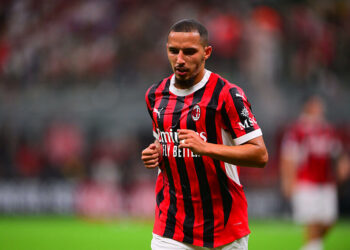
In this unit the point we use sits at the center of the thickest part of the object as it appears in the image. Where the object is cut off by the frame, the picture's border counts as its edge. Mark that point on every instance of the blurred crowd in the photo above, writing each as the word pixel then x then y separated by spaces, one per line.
pixel 60 42
pixel 64 151
pixel 273 47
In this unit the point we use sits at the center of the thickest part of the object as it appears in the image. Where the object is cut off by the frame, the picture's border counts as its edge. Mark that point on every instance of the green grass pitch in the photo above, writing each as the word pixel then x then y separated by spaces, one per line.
pixel 69 233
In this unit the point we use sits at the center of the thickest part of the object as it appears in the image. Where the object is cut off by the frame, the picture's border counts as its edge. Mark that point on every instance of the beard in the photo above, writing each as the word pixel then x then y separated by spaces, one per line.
pixel 185 83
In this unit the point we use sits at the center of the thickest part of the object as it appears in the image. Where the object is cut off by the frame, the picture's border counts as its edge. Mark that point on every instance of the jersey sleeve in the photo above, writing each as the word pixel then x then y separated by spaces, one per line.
pixel 238 118
pixel 150 99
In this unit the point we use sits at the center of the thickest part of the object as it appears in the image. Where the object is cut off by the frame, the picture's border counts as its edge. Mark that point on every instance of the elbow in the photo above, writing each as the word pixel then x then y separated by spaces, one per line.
pixel 264 158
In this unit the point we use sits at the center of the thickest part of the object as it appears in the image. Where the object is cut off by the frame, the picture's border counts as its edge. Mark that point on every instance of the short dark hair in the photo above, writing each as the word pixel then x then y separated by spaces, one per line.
pixel 189 25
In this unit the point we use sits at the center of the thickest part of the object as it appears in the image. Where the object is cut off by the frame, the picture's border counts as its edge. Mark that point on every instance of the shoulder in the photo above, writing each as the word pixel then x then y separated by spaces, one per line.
pixel 155 90
pixel 294 127
pixel 229 89
pixel 157 86
pixel 154 87
pixel 299 128
pixel 331 130
pixel 292 132
pixel 329 126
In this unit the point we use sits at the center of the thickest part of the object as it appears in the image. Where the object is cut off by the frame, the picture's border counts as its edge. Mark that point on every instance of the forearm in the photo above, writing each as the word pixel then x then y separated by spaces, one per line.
pixel 253 153
pixel 246 155
pixel 288 175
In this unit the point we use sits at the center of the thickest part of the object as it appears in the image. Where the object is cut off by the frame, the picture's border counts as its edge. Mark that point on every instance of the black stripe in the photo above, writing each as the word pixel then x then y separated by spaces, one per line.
pixel 170 222
pixel 208 214
pixel 227 120
pixel 225 193
pixel 212 137
pixel 239 105
pixel 152 93
pixel 160 198
pixel 185 182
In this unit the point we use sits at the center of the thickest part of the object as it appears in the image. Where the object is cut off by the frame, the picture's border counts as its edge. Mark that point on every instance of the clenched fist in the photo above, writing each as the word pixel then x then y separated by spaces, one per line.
pixel 152 155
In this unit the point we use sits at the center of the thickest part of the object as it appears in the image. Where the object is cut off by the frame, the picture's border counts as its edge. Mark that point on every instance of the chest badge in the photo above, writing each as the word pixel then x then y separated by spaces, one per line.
pixel 196 112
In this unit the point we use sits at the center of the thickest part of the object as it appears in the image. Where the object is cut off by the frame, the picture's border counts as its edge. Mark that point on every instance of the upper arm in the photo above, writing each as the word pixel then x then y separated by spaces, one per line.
pixel 257 141
pixel 260 149
pixel 238 117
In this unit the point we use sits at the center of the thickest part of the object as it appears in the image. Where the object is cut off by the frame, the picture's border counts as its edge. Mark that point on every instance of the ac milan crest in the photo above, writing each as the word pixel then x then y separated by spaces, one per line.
pixel 196 112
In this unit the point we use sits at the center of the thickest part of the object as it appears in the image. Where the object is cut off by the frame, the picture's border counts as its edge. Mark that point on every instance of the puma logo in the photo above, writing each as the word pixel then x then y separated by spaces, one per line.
pixel 158 112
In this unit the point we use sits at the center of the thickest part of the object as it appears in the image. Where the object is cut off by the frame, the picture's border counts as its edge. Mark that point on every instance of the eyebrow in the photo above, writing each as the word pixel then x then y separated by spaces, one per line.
pixel 190 50
pixel 186 51
pixel 186 48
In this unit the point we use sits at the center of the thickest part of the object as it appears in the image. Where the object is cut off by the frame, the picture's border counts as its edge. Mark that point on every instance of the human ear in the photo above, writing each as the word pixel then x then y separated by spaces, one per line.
pixel 207 52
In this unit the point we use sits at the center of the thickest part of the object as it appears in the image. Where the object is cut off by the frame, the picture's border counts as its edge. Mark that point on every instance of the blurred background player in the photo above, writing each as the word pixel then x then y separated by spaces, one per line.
pixel 311 163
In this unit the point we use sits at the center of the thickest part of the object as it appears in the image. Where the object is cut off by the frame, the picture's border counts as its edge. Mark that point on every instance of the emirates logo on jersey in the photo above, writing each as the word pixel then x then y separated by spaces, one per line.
pixel 196 112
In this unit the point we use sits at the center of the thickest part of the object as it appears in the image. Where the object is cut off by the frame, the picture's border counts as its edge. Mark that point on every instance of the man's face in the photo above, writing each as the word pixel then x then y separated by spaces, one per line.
pixel 315 107
pixel 187 56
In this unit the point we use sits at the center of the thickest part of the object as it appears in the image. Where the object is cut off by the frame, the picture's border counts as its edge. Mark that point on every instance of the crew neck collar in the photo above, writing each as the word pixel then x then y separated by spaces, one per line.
pixel 192 89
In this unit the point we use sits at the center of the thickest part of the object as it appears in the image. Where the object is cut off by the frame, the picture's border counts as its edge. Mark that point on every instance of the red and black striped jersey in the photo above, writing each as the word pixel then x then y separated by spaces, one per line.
pixel 199 200
pixel 313 146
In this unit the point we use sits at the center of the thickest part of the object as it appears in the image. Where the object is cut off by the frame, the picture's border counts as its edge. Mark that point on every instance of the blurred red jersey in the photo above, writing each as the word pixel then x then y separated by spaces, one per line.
pixel 314 145
pixel 200 200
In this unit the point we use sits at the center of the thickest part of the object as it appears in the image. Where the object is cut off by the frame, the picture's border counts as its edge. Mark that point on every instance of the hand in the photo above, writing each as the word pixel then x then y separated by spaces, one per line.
pixel 190 139
pixel 151 155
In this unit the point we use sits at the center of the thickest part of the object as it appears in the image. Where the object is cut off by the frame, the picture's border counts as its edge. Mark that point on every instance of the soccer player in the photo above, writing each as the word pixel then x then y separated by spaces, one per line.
pixel 309 148
pixel 204 130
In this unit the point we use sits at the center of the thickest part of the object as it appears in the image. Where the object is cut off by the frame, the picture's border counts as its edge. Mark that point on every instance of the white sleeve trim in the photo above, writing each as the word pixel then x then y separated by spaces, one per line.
pixel 244 138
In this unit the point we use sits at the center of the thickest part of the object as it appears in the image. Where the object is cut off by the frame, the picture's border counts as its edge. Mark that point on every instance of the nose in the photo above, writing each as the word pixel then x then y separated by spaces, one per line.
pixel 180 58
